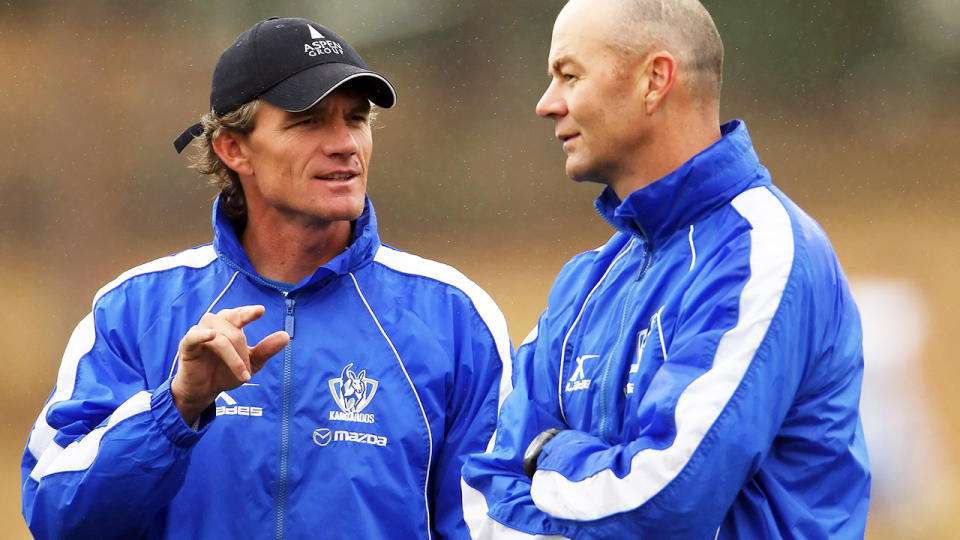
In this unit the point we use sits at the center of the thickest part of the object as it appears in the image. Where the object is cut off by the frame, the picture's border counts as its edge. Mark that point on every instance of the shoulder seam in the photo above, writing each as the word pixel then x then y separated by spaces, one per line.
pixel 197 257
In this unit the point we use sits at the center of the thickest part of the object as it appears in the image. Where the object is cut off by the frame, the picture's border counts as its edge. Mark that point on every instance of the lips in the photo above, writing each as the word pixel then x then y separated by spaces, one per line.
pixel 567 139
pixel 338 175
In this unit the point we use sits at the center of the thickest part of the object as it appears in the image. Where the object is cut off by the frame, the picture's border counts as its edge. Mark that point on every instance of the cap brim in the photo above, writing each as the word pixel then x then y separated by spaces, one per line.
pixel 305 89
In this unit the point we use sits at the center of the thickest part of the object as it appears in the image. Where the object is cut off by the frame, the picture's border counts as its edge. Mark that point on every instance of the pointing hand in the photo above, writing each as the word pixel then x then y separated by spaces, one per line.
pixel 214 356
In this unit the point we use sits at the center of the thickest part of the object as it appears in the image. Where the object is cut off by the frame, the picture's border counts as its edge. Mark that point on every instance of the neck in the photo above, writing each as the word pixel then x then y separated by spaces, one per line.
pixel 288 252
pixel 672 144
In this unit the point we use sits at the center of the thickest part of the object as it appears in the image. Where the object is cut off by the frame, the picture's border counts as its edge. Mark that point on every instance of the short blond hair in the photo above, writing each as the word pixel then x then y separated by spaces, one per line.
pixel 207 162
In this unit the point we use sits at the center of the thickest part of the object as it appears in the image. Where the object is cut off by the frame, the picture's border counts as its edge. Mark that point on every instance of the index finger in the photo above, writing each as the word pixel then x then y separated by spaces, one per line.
pixel 241 316
pixel 195 338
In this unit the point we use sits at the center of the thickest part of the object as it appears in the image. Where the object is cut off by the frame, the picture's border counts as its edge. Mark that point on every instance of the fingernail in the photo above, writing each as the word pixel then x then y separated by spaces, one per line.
pixel 246 375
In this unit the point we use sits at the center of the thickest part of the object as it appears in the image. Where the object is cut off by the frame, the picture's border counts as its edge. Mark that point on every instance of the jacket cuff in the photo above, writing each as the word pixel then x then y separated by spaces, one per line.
pixel 531 456
pixel 170 422
pixel 557 453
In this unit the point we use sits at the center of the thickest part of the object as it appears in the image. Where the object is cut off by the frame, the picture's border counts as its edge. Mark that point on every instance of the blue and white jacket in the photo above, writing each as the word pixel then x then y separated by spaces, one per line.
pixel 357 429
pixel 705 367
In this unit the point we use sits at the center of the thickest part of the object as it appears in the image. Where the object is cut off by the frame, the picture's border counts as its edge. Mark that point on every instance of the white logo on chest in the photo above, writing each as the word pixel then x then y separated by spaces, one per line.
pixel 232 408
pixel 579 381
pixel 352 392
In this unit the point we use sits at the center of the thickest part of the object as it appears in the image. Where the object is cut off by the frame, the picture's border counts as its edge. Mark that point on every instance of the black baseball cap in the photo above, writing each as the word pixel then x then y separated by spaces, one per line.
pixel 291 64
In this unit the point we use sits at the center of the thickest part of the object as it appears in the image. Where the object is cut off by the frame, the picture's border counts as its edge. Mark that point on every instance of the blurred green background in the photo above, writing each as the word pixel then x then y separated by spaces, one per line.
pixel 853 107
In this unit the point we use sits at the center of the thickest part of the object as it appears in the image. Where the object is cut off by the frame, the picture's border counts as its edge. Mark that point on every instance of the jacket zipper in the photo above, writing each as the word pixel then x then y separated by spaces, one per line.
pixel 288 325
pixel 604 396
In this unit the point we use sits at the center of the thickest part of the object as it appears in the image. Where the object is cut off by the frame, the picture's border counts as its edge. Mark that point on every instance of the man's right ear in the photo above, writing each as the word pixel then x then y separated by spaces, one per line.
pixel 661 70
pixel 232 152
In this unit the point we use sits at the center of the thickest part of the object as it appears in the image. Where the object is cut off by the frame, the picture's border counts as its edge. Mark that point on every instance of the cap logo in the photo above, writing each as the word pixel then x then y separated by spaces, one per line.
pixel 314 34
pixel 321 46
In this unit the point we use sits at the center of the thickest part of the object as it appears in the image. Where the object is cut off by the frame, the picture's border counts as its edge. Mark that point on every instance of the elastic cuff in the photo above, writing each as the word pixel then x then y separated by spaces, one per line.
pixel 168 417
pixel 561 439
pixel 532 455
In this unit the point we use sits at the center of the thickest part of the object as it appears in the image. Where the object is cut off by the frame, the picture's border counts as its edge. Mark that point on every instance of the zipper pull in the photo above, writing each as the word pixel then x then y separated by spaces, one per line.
pixel 288 317
pixel 644 261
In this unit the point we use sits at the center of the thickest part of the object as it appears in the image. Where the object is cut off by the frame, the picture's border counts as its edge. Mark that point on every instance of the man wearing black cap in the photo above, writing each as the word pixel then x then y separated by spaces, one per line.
pixel 166 422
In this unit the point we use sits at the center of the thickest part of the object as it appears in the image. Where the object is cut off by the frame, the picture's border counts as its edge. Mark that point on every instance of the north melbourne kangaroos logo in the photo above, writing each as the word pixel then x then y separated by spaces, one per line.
pixel 352 392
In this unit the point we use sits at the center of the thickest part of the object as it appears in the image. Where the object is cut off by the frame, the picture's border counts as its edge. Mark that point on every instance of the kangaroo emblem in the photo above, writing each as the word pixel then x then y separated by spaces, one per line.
pixel 353 387
pixel 352 391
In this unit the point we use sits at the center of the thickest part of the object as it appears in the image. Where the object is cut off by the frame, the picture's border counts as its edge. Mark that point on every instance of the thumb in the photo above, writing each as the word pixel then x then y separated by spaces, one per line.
pixel 267 347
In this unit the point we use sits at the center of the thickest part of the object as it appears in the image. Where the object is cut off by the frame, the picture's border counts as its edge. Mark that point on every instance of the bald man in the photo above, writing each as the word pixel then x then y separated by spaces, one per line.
pixel 698 376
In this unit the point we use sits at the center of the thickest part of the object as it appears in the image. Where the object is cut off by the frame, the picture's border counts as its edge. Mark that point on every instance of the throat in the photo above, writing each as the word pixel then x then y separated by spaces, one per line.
pixel 290 254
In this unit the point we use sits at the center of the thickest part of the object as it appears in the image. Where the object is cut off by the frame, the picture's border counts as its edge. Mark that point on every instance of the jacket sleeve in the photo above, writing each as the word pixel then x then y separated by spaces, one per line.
pixel 726 358
pixel 496 491
pixel 106 453
pixel 482 378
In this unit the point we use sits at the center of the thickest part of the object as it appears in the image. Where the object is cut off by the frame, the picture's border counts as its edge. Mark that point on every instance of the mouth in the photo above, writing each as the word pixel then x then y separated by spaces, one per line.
pixel 338 176
pixel 566 139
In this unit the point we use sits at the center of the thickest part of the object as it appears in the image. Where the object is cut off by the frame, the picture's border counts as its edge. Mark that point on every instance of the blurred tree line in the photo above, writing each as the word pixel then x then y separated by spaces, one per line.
pixel 94 92
pixel 852 106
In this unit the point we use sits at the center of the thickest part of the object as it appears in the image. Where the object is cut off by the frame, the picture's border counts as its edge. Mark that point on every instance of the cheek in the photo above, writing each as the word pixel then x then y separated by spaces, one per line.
pixel 365 157
pixel 365 143
pixel 294 160
pixel 588 112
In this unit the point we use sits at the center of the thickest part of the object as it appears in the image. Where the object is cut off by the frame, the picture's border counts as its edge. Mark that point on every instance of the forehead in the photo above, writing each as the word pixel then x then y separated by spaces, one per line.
pixel 340 101
pixel 344 97
pixel 580 32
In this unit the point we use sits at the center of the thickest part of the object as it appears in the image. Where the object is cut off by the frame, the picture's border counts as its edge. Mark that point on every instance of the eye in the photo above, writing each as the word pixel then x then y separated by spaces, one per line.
pixel 304 121
pixel 358 118
pixel 568 77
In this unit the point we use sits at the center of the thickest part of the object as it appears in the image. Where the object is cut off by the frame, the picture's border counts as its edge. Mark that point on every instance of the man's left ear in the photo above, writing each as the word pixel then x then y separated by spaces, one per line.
pixel 661 70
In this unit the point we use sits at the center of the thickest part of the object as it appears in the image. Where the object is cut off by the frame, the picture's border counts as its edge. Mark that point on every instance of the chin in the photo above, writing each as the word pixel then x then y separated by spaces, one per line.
pixel 590 171
pixel 581 175
pixel 346 212
pixel 343 206
pixel 576 169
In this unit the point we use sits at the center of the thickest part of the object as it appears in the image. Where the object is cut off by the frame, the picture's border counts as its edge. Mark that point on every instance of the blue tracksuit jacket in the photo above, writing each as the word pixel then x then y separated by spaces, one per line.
pixel 705 366
pixel 357 429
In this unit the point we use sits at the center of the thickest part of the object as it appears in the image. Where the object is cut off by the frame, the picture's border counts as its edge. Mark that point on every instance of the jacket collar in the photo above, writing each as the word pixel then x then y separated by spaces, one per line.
pixel 362 248
pixel 708 180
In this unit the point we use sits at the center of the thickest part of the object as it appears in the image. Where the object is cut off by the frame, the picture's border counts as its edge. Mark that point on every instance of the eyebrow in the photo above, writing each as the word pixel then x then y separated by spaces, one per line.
pixel 559 62
pixel 363 105
pixel 300 114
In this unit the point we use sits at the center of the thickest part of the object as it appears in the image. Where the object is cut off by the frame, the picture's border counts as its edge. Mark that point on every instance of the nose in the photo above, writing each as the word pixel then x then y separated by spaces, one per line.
pixel 339 139
pixel 551 105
